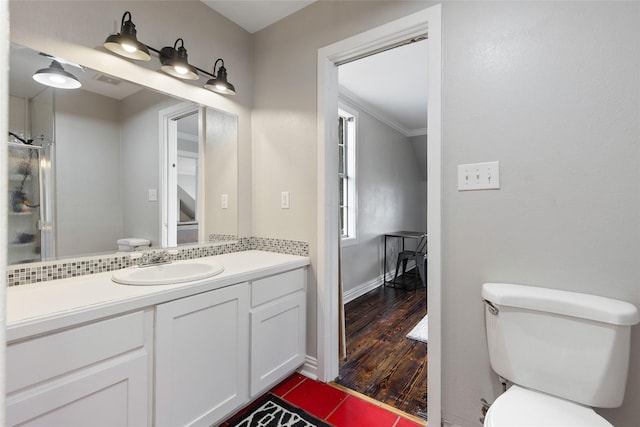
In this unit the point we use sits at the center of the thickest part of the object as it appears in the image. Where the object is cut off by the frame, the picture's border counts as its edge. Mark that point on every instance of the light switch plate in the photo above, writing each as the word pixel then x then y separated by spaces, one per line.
pixel 284 200
pixel 479 176
pixel 224 201
pixel 153 195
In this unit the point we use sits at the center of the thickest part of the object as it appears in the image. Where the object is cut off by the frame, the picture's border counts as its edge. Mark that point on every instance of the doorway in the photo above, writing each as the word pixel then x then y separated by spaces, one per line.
pixel 413 25
pixel 182 147
pixel 382 167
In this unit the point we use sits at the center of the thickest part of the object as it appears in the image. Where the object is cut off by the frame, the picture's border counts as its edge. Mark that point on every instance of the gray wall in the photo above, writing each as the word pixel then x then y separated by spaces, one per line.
pixel 207 35
pixel 549 89
pixel 391 197
pixel 284 118
pixel 552 91
pixel 87 165
pixel 141 163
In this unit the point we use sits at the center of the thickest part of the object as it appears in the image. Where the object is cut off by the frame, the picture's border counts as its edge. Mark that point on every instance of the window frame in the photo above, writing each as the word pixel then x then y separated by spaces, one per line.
pixel 350 149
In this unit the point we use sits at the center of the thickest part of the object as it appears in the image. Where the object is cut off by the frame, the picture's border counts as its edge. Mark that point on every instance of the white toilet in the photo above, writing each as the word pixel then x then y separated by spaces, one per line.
pixel 564 352
pixel 130 244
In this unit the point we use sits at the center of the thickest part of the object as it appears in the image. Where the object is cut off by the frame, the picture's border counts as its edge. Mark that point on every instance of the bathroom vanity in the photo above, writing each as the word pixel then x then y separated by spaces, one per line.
pixel 88 351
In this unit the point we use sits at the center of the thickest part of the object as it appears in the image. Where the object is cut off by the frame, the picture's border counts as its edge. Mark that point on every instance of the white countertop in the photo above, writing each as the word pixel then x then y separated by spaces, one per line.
pixel 46 306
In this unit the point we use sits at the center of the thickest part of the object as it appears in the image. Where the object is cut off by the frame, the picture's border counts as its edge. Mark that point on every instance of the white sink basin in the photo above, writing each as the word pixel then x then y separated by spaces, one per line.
pixel 167 274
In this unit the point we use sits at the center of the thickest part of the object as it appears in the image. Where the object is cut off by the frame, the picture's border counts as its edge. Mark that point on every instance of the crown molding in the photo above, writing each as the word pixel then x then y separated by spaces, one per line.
pixel 365 106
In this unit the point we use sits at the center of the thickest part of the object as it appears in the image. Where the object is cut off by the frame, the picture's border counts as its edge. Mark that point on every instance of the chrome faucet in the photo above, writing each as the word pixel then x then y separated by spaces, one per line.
pixel 154 258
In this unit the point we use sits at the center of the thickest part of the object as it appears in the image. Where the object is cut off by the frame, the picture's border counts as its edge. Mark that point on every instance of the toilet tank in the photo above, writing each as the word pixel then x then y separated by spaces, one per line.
pixel 567 344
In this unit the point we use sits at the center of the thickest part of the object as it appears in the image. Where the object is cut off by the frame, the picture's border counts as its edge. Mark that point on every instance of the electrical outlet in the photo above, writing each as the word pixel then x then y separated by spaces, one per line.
pixel 153 195
pixel 479 176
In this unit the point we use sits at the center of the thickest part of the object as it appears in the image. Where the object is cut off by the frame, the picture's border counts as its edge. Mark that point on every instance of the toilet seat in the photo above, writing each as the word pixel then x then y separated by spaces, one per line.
pixel 521 407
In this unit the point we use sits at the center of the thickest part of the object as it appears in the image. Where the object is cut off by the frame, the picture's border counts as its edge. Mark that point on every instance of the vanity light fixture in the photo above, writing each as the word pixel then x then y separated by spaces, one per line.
pixel 125 42
pixel 175 63
pixel 173 59
pixel 219 81
pixel 56 76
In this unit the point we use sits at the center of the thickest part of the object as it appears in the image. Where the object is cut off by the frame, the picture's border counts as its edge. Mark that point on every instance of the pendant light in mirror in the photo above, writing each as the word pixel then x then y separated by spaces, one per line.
pixel 219 82
pixel 56 76
pixel 125 43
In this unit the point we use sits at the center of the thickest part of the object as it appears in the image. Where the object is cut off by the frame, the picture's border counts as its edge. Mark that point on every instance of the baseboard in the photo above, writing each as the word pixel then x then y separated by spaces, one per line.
pixel 362 289
pixel 310 368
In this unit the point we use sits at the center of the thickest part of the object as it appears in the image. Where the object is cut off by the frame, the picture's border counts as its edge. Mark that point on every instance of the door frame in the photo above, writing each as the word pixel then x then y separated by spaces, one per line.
pixel 426 21
pixel 167 118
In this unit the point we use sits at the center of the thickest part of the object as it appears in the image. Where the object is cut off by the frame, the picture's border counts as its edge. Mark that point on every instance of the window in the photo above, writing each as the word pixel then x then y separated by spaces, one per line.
pixel 346 174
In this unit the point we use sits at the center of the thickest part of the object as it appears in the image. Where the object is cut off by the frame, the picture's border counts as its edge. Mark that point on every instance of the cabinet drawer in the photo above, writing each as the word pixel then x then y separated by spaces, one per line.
pixel 105 394
pixel 39 359
pixel 274 287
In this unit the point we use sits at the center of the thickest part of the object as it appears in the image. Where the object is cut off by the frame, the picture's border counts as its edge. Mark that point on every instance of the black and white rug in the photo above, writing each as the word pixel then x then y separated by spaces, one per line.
pixel 275 412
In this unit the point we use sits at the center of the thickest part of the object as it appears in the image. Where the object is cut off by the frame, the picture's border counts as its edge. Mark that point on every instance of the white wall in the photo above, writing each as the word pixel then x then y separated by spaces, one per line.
pixel 391 197
pixel 88 177
pixel 4 113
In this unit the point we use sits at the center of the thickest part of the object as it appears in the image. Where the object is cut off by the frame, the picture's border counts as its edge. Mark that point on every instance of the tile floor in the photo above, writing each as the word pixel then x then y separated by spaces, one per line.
pixel 335 406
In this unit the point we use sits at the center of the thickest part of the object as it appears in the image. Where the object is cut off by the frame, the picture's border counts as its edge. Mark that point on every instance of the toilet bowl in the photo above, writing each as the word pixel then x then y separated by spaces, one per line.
pixel 521 407
pixel 564 352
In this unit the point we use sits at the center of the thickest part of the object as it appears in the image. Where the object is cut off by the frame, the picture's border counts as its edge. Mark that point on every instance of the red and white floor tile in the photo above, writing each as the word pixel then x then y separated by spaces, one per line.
pixel 338 407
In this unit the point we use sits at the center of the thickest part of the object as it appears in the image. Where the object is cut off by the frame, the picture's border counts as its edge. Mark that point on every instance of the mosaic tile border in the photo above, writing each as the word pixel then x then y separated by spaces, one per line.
pixel 51 270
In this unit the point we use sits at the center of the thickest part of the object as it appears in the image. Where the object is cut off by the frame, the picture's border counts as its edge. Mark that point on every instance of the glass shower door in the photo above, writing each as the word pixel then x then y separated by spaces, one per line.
pixel 25 192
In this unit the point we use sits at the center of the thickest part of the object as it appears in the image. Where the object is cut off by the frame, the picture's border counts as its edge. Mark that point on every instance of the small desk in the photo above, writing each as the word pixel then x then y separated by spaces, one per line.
pixel 403 235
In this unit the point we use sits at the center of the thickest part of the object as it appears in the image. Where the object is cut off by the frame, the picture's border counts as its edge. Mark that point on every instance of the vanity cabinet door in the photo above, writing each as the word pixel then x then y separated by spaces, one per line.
pixel 278 328
pixel 96 374
pixel 202 357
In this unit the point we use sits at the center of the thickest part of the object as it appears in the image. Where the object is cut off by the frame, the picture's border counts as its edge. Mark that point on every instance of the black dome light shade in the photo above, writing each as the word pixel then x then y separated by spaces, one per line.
pixel 125 42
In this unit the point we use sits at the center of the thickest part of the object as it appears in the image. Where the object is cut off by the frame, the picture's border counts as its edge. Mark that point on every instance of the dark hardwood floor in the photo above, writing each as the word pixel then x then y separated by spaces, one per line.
pixel 381 362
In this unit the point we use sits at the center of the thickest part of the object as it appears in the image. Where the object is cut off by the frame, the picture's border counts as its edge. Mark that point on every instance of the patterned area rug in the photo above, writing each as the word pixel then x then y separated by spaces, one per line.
pixel 420 333
pixel 275 412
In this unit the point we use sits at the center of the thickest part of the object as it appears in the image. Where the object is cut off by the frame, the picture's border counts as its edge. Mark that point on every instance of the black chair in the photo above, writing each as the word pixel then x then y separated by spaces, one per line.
pixel 419 255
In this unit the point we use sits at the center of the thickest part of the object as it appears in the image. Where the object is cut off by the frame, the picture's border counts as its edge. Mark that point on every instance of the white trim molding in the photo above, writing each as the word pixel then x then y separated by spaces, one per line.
pixel 362 289
pixel 310 368
pixel 426 21
pixel 351 98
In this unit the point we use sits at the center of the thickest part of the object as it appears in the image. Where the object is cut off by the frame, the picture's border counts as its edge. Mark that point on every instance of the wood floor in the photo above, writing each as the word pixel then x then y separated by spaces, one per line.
pixel 381 362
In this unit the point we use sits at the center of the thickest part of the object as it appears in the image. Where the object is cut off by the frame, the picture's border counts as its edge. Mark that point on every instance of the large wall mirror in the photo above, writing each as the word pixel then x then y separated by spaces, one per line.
pixel 110 160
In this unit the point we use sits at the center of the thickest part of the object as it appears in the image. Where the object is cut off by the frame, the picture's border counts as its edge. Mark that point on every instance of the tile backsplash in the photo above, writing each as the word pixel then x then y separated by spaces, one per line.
pixel 51 270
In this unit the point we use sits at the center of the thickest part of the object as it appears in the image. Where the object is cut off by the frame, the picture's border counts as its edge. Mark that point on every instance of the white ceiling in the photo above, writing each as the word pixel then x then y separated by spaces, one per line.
pixel 254 15
pixel 391 86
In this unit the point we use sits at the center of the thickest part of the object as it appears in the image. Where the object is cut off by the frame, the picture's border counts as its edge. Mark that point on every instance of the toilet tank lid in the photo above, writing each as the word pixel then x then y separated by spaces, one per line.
pixel 567 303
pixel 134 241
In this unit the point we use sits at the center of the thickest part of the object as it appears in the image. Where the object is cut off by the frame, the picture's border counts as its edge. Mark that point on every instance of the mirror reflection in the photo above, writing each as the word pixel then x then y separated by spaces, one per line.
pixel 91 166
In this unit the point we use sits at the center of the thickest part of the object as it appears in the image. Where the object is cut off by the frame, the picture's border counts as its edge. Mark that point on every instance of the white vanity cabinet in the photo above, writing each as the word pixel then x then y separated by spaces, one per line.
pixel 202 357
pixel 278 328
pixel 94 374
pixel 91 352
